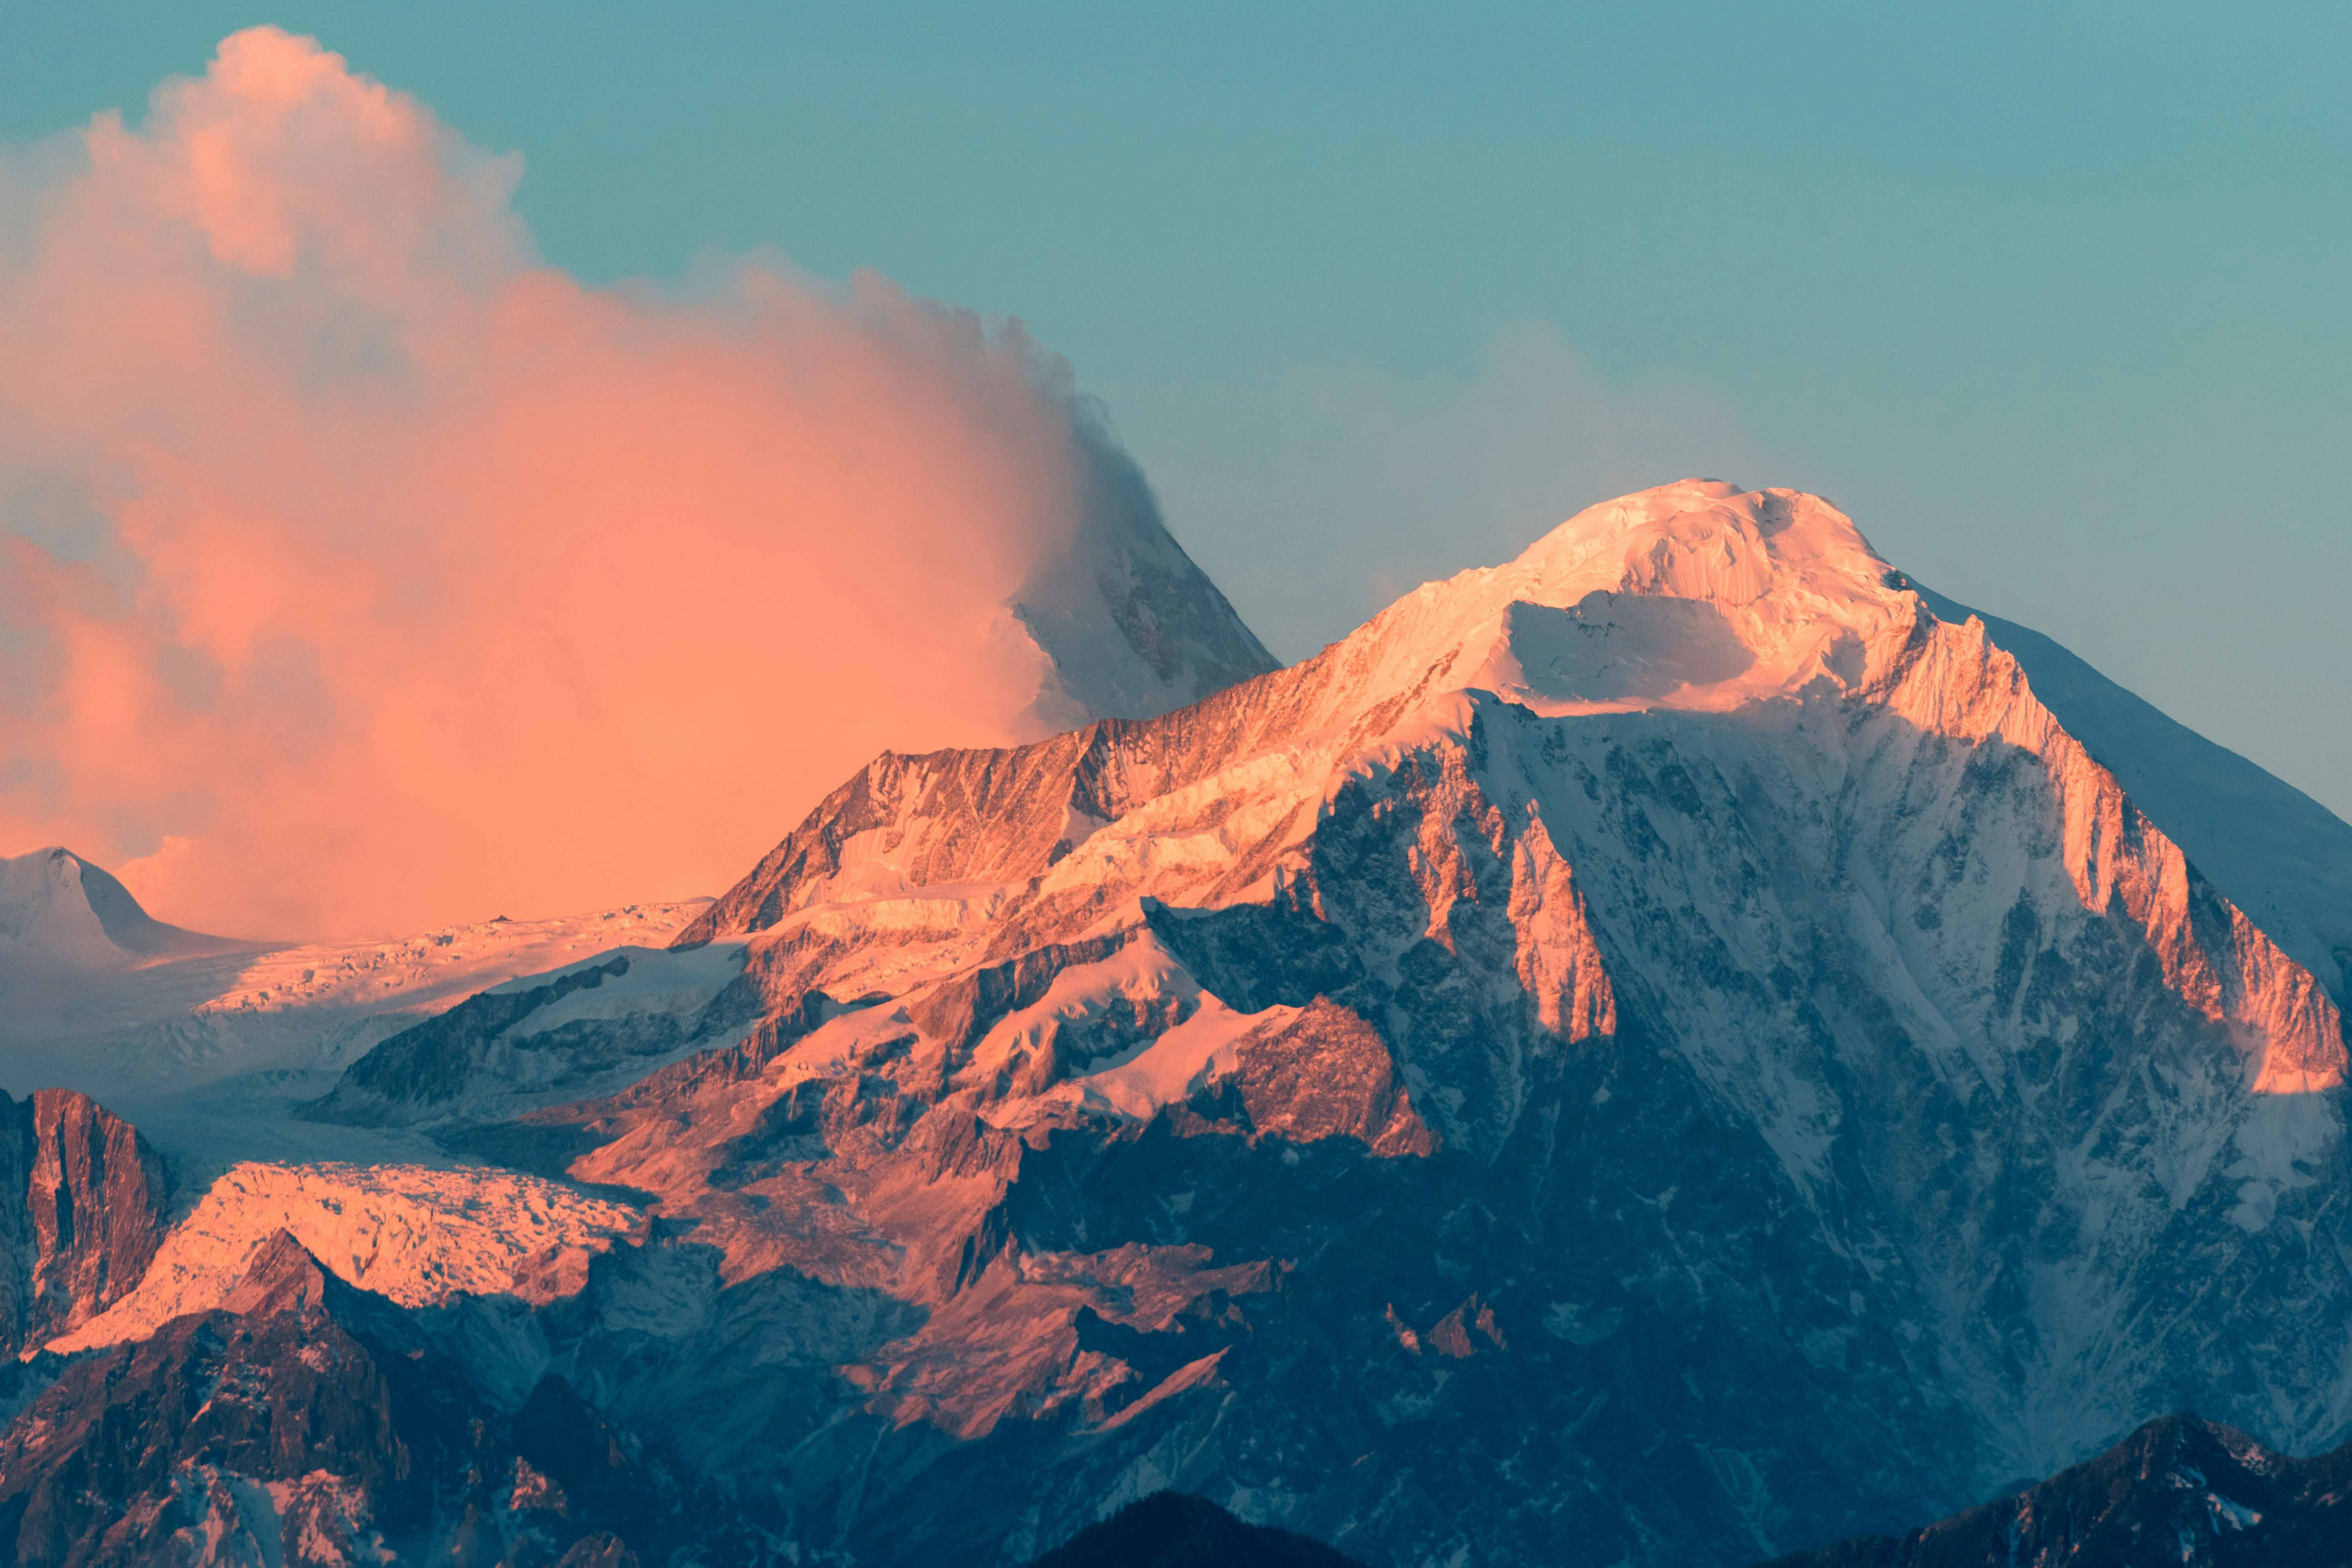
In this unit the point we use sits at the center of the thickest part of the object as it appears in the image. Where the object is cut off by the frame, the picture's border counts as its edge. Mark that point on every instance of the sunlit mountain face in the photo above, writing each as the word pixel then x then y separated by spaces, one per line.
pixel 1680 1047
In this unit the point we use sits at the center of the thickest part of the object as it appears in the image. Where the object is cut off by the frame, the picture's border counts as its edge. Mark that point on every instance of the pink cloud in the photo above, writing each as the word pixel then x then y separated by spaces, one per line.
pixel 360 573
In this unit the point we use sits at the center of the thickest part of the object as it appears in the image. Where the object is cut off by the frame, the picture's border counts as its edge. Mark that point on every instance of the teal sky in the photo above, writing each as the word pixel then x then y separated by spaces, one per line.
pixel 2053 299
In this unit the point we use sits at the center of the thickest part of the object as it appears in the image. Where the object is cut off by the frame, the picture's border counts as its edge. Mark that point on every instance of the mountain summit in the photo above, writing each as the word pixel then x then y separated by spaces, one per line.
pixel 1691 595
pixel 1693 599
pixel 56 910
pixel 1670 1050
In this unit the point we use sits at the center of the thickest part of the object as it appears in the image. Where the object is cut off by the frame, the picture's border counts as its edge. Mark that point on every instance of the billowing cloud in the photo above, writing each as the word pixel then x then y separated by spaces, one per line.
pixel 359 572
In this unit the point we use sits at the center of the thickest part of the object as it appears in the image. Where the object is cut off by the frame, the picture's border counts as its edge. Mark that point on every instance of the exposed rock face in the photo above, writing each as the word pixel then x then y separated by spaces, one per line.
pixel 414 1235
pixel 2284 858
pixel 1169 1529
pixel 81 1213
pixel 1661 1052
pixel 307 1422
pixel 2178 1490
pixel 1325 1072
pixel 551 1036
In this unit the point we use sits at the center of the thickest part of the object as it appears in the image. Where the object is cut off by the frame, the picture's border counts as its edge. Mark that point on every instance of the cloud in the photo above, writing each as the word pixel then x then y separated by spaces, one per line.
pixel 359 572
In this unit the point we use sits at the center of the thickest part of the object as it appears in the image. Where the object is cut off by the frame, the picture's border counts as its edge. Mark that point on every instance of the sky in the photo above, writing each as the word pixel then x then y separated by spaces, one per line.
pixel 2049 297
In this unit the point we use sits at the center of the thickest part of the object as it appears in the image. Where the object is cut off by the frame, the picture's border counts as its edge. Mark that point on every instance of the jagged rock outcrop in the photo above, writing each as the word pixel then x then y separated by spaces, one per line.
pixel 2178 1490
pixel 305 1422
pixel 82 1204
pixel 414 1234
pixel 1664 1051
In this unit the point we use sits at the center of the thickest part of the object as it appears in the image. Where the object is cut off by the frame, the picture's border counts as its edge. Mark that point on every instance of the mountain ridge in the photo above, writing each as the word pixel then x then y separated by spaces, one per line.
pixel 1852 625
pixel 1835 882
pixel 2201 1495
pixel 1662 1051
pixel 58 910
pixel 2285 856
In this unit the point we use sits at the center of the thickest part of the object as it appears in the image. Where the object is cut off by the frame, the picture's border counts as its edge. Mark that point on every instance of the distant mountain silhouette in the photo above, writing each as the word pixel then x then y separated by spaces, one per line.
pixel 2178 1490
pixel 1170 1530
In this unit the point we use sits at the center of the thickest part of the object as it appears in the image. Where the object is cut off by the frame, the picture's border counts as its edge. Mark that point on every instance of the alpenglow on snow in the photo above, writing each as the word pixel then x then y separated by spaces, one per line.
pixel 1680 1047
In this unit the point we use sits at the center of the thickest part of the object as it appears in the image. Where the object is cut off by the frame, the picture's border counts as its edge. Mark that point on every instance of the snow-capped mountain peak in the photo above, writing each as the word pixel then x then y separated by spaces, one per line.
pixel 56 910
pixel 1693 604
pixel 1677 1046
pixel 1694 595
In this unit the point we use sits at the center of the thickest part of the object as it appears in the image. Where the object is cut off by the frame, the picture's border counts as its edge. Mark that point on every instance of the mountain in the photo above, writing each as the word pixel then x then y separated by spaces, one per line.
pixel 72 937
pixel 56 910
pixel 82 1205
pixel 305 1422
pixel 1128 625
pixel 1670 1050
pixel 1169 1529
pixel 208 1054
pixel 2178 1490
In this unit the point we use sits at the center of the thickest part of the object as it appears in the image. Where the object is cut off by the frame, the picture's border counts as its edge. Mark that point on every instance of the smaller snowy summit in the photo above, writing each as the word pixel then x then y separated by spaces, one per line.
pixel 57 912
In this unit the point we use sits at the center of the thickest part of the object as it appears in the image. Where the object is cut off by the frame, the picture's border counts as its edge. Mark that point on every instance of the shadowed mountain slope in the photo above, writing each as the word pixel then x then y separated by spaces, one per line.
pixel 1659 1051
pixel 1169 1529
pixel 305 1422
pixel 2178 1490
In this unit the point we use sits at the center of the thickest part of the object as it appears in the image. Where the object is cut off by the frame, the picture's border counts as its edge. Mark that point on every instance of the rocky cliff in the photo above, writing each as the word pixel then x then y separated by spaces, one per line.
pixel 305 1422
pixel 2178 1490
pixel 82 1205
pixel 1665 1051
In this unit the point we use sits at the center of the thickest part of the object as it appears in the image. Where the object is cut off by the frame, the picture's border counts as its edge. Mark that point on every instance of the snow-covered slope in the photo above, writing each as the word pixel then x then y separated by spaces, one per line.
pixel 1129 626
pixel 416 1236
pixel 540 1037
pixel 2282 857
pixel 60 912
pixel 209 1055
pixel 1664 1051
